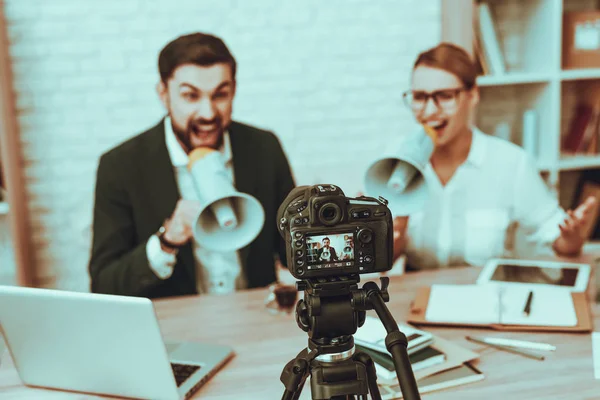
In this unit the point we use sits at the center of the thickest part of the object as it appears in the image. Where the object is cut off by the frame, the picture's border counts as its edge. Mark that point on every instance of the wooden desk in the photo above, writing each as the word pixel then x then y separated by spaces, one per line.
pixel 264 343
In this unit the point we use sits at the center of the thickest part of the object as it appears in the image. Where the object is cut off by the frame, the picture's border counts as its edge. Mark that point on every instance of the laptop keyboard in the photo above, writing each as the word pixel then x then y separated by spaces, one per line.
pixel 183 371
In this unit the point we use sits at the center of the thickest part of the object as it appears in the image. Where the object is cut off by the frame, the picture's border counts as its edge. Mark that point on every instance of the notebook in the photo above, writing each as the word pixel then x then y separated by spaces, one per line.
pixel 461 375
pixel 490 304
pixel 420 360
pixel 455 356
pixel 372 335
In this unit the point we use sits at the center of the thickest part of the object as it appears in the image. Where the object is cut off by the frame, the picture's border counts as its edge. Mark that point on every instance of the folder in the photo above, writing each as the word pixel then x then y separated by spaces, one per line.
pixel 418 310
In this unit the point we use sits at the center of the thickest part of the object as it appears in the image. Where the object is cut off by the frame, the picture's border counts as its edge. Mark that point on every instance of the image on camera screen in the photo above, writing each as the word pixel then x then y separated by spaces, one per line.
pixel 331 250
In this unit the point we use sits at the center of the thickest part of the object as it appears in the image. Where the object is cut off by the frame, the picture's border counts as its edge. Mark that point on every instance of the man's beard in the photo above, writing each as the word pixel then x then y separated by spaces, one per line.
pixel 194 127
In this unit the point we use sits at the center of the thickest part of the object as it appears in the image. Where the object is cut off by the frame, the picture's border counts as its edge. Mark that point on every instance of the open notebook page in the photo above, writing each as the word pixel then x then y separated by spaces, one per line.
pixel 469 304
pixel 550 307
pixel 494 304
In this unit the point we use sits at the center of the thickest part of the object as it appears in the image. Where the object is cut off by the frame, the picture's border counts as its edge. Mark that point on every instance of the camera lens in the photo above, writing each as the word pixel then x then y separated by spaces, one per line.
pixel 330 214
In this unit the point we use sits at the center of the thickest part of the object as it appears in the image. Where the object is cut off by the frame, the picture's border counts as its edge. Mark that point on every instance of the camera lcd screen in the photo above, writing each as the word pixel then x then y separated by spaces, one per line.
pixel 330 251
pixel 545 275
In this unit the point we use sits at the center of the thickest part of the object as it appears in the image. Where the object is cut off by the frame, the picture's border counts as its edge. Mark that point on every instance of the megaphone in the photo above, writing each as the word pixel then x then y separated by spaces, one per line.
pixel 399 176
pixel 228 220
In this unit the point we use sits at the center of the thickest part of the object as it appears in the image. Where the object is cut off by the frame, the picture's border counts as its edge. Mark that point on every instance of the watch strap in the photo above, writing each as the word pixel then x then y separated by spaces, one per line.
pixel 163 240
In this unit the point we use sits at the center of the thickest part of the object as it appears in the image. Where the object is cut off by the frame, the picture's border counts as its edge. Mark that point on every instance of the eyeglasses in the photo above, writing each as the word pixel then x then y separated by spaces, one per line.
pixel 446 99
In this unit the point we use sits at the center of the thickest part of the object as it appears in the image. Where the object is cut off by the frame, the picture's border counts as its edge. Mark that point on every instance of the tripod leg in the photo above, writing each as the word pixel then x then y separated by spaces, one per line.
pixel 294 375
pixel 287 395
pixel 366 360
pixel 395 342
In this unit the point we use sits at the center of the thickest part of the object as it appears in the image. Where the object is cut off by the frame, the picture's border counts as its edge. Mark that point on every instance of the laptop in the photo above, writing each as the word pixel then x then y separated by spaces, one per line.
pixel 103 344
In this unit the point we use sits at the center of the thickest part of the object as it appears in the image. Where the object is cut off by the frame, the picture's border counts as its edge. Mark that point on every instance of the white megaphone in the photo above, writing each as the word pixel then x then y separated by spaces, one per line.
pixel 399 176
pixel 228 220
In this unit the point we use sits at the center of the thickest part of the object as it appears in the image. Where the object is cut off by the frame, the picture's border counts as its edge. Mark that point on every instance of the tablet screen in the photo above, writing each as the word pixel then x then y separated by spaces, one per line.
pixel 544 275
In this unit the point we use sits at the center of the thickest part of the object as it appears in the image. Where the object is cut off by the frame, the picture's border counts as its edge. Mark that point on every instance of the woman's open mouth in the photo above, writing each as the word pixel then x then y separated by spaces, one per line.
pixel 438 126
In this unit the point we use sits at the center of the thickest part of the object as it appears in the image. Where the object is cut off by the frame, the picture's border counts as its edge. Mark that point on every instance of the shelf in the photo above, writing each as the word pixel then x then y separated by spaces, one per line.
pixel 592 247
pixel 580 161
pixel 543 166
pixel 513 79
pixel 3 208
pixel 580 74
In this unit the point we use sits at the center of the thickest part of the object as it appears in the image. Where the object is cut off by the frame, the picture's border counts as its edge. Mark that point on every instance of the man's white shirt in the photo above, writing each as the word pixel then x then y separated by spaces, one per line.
pixel 216 272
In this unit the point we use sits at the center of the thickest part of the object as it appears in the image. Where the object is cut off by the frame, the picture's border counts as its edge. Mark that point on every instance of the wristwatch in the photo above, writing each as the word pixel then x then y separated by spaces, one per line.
pixel 163 240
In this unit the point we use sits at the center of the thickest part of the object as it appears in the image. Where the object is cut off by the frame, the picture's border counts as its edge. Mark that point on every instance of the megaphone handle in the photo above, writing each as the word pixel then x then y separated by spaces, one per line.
pixel 224 213
pixel 401 176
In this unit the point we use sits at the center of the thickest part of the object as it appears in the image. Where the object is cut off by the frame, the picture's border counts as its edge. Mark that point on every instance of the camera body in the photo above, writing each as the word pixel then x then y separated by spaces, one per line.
pixel 329 234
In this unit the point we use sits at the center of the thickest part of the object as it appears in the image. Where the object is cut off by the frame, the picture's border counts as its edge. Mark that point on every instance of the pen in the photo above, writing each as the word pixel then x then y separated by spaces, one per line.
pixel 527 309
pixel 509 349
pixel 519 343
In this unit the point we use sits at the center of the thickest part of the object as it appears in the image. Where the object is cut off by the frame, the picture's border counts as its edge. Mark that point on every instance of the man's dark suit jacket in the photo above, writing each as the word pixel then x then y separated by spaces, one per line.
pixel 136 191
pixel 333 256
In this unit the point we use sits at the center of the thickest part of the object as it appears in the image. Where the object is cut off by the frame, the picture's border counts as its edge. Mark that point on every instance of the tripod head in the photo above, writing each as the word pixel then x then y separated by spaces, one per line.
pixel 326 312
pixel 332 310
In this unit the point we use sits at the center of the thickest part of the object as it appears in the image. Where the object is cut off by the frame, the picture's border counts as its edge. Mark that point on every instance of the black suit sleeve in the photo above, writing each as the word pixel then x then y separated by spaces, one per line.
pixel 283 186
pixel 118 265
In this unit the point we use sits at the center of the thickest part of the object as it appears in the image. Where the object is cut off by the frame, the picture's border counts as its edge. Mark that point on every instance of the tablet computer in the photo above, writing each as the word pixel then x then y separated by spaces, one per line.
pixel 570 276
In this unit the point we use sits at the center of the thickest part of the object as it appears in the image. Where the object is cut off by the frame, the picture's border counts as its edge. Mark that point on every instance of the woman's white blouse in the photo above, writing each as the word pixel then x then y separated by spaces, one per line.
pixel 475 216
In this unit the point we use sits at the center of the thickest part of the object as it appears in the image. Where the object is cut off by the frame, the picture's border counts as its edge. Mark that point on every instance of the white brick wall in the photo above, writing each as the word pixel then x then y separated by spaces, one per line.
pixel 312 71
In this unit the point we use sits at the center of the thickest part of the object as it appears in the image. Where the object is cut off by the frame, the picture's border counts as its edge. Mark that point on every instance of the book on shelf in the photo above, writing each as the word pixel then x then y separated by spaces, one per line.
pixel 530 133
pixel 581 136
pixel 502 130
pixel 479 58
pixel 488 52
pixel 481 63
pixel 589 140
pixel 384 363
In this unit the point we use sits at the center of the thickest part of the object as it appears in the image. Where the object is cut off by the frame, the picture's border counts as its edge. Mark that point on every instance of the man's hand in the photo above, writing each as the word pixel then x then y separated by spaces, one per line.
pixel 572 230
pixel 400 227
pixel 179 227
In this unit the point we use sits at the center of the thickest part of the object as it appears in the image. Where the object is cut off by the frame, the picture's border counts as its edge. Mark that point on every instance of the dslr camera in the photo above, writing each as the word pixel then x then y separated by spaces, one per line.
pixel 329 234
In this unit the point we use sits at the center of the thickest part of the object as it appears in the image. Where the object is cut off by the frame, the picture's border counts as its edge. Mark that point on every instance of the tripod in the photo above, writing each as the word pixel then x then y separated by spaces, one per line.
pixel 331 311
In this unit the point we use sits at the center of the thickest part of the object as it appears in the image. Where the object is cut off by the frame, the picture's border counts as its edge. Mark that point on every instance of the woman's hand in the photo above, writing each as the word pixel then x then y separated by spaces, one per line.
pixel 572 230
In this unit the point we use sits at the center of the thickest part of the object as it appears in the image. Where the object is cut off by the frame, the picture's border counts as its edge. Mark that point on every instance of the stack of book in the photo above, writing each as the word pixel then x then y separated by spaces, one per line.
pixel 436 363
